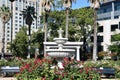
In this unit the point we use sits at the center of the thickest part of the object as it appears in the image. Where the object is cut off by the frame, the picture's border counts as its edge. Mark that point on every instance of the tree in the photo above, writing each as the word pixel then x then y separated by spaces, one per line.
pixel 29 15
pixel 115 47
pixel 19 45
pixel 46 4
pixel 76 23
pixel 37 41
pixel 5 16
pixel 95 5
pixel 67 4
pixel 55 21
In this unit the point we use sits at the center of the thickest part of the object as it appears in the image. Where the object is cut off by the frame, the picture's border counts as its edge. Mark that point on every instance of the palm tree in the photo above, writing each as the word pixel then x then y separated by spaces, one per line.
pixel 46 4
pixel 11 20
pixel 67 5
pixel 29 15
pixel 95 4
pixel 5 16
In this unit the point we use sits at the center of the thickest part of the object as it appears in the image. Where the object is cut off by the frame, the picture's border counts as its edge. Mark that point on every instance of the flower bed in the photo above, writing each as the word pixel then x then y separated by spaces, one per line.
pixel 41 69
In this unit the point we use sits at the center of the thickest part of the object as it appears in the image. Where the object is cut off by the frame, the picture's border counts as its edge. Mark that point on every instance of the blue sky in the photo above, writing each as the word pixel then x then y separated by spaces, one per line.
pixel 80 4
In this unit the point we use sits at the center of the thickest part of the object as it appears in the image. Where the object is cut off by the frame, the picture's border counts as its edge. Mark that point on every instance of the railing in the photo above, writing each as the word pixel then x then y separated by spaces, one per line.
pixel 7 69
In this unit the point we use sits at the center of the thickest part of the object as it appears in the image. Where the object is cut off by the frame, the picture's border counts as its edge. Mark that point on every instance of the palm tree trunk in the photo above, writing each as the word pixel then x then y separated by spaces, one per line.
pixel 3 41
pixel 29 42
pixel 95 37
pixel 45 28
pixel 45 33
pixel 67 14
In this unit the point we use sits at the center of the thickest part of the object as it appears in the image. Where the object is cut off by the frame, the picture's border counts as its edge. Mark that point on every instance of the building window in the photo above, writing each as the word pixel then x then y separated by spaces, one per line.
pixel 117 6
pixel 15 24
pixel 16 8
pixel 16 13
pixel 100 29
pixel 100 48
pixel 15 20
pixel 7 35
pixel 8 27
pixel 8 31
pixel 19 21
pixel 16 17
pixel 114 27
pixel 15 28
pixel 116 17
pixel 8 39
pixel 99 38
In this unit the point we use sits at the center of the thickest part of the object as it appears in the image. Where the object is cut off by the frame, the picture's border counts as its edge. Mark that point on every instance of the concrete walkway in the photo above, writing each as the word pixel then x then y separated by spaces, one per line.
pixel 10 78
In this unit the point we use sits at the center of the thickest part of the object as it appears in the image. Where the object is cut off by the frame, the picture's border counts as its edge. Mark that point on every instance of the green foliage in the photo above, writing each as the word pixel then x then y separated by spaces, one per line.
pixel 5 14
pixel 29 15
pixel 78 20
pixel 19 45
pixel 37 40
pixel 115 37
pixel 115 48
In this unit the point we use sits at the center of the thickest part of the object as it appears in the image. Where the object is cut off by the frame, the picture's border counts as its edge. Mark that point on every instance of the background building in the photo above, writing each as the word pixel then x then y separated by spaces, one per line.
pixel 18 6
pixel 109 23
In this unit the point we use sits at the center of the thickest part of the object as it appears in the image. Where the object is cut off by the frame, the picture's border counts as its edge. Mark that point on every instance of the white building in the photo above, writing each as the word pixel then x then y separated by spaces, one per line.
pixel 18 6
pixel 107 28
pixel 109 23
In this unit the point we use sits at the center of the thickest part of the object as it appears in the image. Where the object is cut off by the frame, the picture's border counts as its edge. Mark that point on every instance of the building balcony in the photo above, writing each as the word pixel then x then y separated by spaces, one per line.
pixel 104 15
pixel 108 15
pixel 117 13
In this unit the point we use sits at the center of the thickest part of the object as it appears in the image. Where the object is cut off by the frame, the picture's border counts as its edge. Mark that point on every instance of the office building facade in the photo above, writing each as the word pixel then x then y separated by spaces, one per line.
pixel 109 23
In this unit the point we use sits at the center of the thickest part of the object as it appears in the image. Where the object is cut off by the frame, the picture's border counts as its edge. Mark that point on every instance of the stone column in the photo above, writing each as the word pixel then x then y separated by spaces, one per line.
pixel 78 53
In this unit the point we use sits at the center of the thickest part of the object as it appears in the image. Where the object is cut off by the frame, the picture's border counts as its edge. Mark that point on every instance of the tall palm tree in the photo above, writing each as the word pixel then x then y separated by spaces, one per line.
pixel 67 4
pixel 11 20
pixel 95 4
pixel 46 4
pixel 5 16
pixel 29 15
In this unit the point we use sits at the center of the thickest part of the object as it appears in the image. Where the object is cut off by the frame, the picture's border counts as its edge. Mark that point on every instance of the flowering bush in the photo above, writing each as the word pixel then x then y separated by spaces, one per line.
pixel 41 70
